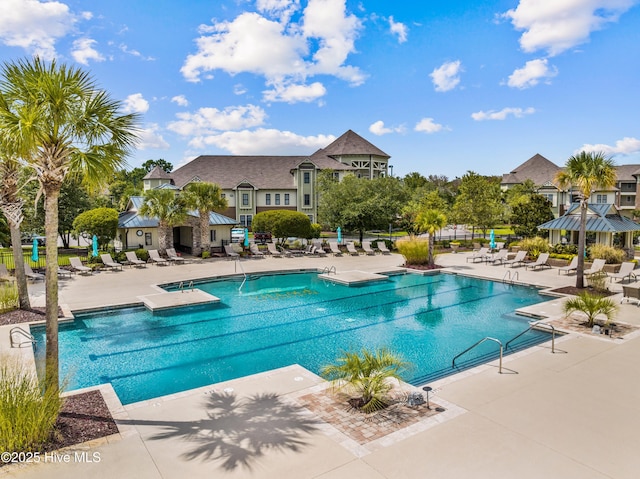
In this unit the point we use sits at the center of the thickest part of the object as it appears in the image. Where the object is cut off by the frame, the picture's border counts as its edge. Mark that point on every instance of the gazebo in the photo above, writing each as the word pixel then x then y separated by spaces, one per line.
pixel 602 219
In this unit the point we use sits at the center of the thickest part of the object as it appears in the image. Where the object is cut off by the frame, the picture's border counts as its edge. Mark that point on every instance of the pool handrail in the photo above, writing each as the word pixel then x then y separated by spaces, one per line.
pixel 536 324
pixel 488 338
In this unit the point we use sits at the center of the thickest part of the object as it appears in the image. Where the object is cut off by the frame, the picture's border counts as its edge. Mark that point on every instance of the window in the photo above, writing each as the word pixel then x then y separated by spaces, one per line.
pixel 277 198
pixel 336 175
pixel 307 177
pixel 212 235
pixel 223 195
pixel 245 199
pixel 307 200
pixel 548 196
pixel 601 199
pixel 147 239
pixel 267 199
pixel 249 219
pixel 310 218
pixel 245 220
pixel 286 198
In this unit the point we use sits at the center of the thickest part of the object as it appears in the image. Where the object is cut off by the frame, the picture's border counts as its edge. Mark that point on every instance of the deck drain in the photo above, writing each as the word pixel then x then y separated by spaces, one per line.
pixel 228 390
pixel 298 378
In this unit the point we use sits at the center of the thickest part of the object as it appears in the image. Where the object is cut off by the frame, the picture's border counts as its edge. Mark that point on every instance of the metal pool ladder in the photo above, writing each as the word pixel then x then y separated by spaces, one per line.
pixel 329 270
pixel 537 324
pixel 16 336
pixel 181 286
pixel 509 277
pixel 453 363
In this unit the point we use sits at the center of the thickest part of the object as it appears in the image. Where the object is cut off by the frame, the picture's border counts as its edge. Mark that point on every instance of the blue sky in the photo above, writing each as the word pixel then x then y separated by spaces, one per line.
pixel 442 86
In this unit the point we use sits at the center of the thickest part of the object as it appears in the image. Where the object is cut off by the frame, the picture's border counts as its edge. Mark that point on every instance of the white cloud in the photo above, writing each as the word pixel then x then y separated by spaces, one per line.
pixel 149 138
pixel 136 103
pixel 531 74
pixel 446 77
pixel 557 25
pixel 502 114
pixel 35 26
pixel 180 100
pixel 295 93
pixel 134 53
pixel 626 146
pixel 378 128
pixel 263 141
pixel 83 51
pixel 239 89
pixel 399 29
pixel 280 49
pixel 428 125
pixel 211 120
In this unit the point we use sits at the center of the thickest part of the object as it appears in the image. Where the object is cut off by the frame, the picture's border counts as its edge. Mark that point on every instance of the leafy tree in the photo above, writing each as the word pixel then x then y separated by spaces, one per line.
pixel 205 198
pixel 410 211
pixel 586 172
pixel 170 211
pixel 367 375
pixel 414 181
pixel 429 221
pixel 478 202
pixel 528 215
pixel 101 222
pixel 283 224
pixel 61 123
pixel 591 306
pixel 151 164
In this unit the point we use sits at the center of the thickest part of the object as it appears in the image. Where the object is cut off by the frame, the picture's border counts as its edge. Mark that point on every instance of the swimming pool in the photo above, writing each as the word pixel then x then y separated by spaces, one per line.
pixel 281 319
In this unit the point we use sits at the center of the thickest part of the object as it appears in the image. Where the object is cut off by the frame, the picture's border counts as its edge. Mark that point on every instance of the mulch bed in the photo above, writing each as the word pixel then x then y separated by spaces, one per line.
pixel 421 267
pixel 18 316
pixel 572 290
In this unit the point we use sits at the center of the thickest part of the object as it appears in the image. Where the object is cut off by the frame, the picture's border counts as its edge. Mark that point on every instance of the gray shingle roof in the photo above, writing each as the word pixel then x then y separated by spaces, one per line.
pixel 537 168
pixel 157 174
pixel 350 143
pixel 627 172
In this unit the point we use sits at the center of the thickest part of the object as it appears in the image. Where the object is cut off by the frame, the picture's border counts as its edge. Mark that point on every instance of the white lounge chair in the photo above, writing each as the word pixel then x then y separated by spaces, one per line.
pixel 30 274
pixel 596 267
pixel 351 248
pixel 481 254
pixel 333 246
pixel 108 261
pixel 78 267
pixel 155 257
pixel 541 262
pixel 319 249
pixel 273 250
pixel 133 259
pixel 366 246
pixel 255 251
pixel 228 249
pixel 630 292
pixel 382 247
pixel 518 260
pixel 573 266
pixel 626 271
pixel 173 256
pixel 499 257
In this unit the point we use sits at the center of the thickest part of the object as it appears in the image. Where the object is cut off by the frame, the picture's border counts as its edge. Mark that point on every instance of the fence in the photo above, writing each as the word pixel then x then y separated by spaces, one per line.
pixel 6 257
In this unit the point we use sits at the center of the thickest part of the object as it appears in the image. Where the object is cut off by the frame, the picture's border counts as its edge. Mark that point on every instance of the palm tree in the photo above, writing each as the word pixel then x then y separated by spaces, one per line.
pixel 368 375
pixel 429 221
pixel 11 207
pixel 592 306
pixel 586 172
pixel 205 198
pixel 170 211
pixel 61 124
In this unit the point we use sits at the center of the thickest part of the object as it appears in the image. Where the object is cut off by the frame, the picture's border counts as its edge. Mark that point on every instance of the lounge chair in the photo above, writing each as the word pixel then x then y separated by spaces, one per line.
pixel 518 260
pixel 173 256
pixel 63 273
pixel 541 262
pixel 626 271
pixel 273 250
pixel 255 251
pixel 499 257
pixel 228 249
pixel 351 248
pixel 366 246
pixel 481 254
pixel 573 266
pixel 500 245
pixel 335 249
pixel 630 292
pixel 29 273
pixel 319 250
pixel 155 257
pixel 133 260
pixel 476 247
pixel 596 268
pixel 382 247
pixel 108 261
pixel 78 267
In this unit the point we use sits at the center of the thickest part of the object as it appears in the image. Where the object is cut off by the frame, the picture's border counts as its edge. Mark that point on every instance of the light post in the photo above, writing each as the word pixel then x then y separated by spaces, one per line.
pixel 390 170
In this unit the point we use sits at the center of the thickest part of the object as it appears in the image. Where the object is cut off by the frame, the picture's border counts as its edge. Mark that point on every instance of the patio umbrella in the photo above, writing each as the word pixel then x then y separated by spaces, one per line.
pixel 94 253
pixel 339 231
pixel 34 251
pixel 492 240
pixel 246 238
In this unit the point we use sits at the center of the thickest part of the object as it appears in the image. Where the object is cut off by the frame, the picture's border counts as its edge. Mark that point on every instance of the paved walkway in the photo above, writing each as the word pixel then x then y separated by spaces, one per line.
pixel 573 414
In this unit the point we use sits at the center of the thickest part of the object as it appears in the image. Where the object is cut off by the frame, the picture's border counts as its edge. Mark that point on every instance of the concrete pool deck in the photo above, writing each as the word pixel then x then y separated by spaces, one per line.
pixel 573 414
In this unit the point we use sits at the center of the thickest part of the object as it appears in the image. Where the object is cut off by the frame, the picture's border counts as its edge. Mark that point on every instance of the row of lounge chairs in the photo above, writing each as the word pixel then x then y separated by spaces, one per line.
pixel 313 249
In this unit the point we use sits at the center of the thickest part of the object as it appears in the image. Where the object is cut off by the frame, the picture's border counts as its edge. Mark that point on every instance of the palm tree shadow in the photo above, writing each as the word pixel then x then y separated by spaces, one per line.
pixel 238 431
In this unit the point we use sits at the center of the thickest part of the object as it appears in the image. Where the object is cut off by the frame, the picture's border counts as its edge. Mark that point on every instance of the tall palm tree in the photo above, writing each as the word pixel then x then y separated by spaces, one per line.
pixel 61 124
pixel 11 207
pixel 429 221
pixel 170 211
pixel 586 172
pixel 205 198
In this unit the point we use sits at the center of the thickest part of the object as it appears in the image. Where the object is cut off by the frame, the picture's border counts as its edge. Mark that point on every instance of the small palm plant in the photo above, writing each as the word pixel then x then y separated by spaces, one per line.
pixel 592 306
pixel 366 376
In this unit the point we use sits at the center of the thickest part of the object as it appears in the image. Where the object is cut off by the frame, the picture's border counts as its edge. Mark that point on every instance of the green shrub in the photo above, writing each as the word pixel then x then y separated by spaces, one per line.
pixel 27 415
pixel 565 249
pixel 8 296
pixel 142 254
pixel 568 257
pixel 608 253
pixel 534 246
pixel 414 250
pixel 206 254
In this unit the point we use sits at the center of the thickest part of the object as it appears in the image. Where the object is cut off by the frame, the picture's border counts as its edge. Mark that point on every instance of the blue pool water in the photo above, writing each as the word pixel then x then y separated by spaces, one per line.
pixel 278 320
